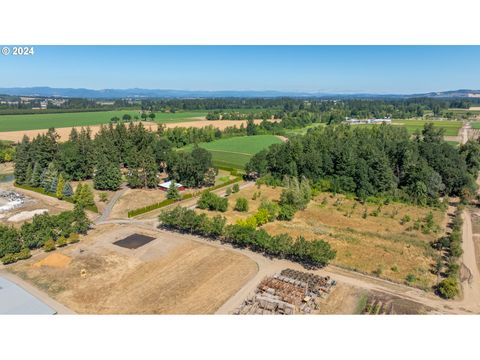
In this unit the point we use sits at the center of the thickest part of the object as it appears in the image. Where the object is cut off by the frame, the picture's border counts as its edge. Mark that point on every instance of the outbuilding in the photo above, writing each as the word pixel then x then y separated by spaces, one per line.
pixel 14 300
pixel 166 185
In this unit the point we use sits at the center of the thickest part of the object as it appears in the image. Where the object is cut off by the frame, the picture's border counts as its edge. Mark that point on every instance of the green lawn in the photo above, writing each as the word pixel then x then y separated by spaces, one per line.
pixel 451 127
pixel 44 121
pixel 475 125
pixel 236 151
pixel 302 131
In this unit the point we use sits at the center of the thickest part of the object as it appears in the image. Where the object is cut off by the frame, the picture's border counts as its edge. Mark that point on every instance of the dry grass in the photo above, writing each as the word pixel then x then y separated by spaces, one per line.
pixel 64 133
pixel 170 275
pixel 379 245
pixel 263 193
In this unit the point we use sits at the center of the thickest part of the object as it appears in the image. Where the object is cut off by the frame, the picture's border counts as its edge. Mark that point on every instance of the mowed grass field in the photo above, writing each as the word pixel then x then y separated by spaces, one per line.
pixel 45 121
pixel 236 151
pixel 451 127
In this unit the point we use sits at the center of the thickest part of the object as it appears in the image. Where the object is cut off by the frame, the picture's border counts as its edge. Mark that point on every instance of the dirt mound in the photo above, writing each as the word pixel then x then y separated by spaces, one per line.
pixel 55 260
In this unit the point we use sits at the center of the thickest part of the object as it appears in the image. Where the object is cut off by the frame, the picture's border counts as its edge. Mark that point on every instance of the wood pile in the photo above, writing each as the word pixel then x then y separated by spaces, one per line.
pixel 287 293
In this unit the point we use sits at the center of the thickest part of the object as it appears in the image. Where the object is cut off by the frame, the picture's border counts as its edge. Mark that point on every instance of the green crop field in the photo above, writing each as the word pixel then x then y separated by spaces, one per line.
pixel 451 127
pixel 45 121
pixel 475 125
pixel 302 131
pixel 236 151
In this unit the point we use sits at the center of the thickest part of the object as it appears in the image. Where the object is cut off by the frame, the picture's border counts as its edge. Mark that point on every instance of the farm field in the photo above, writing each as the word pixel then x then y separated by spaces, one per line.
pixel 169 275
pixel 45 121
pixel 304 130
pixel 236 151
pixel 379 244
pixel 451 127
pixel 475 125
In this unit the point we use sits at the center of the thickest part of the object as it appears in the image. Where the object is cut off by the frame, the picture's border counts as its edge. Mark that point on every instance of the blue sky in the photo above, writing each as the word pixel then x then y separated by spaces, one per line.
pixel 374 69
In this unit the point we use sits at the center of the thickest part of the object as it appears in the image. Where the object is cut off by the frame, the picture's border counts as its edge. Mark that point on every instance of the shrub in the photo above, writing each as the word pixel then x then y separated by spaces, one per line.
pixel 73 238
pixel 9 259
pixel 448 288
pixel 228 191
pixel 262 216
pixel 405 219
pixel 212 202
pixel 410 278
pixel 286 212
pixel 24 254
pixel 250 222
pixel 271 209
pixel 49 245
pixel 61 241
pixel 103 197
pixel 235 188
pixel 241 204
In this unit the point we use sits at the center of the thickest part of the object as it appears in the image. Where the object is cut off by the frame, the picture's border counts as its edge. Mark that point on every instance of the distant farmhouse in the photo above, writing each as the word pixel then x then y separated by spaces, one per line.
pixel 385 120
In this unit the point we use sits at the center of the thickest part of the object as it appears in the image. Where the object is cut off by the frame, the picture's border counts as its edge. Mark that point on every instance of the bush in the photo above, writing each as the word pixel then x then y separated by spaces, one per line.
pixel 103 197
pixel 235 188
pixel 448 288
pixel 49 245
pixel 61 241
pixel 73 238
pixel 9 259
pixel 271 209
pixel 241 204
pixel 262 216
pixel 24 254
pixel 212 202
pixel 228 191
pixel 286 212
pixel 410 278
pixel 405 219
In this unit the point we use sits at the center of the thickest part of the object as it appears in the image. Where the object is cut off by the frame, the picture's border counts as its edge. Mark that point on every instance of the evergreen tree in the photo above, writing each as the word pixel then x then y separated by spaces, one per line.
pixel 173 192
pixel 107 175
pixel 60 187
pixel 81 222
pixel 54 185
pixel 48 176
pixel 35 180
pixel 67 190
pixel 22 161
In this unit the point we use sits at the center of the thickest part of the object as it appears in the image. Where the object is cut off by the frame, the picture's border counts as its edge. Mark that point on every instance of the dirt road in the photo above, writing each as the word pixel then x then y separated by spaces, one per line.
pixel 471 285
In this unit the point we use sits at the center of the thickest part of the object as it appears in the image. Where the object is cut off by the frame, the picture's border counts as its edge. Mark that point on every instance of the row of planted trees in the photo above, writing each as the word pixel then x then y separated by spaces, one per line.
pixel 314 253
pixel 44 231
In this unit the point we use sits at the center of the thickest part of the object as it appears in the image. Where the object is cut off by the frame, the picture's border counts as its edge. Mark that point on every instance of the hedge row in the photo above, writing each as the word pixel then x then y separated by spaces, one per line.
pixel 161 204
pixel 314 253
pixel 43 192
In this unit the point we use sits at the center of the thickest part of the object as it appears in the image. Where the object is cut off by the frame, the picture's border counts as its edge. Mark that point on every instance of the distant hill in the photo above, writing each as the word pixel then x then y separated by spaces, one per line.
pixel 167 93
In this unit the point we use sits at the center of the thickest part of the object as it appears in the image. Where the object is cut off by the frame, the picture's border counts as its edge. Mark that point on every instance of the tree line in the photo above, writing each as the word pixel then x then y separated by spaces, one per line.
pixel 313 253
pixel 44 231
pixel 117 152
pixel 372 161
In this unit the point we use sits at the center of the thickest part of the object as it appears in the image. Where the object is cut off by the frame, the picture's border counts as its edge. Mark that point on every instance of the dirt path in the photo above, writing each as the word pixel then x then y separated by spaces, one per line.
pixel 268 266
pixel 471 285
pixel 108 209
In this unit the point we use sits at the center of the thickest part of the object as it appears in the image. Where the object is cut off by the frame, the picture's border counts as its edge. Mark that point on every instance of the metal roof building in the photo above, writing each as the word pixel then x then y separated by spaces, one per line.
pixel 14 300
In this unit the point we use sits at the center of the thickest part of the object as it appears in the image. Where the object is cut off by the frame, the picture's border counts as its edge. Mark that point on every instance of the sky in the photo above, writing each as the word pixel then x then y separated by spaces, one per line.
pixel 338 69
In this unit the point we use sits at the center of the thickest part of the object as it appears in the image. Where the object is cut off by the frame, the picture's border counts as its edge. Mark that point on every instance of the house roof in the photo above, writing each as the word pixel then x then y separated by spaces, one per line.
pixel 14 300
pixel 167 184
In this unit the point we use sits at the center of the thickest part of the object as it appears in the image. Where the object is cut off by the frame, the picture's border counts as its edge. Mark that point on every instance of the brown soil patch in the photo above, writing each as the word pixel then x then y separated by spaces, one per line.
pixel 136 198
pixel 55 260
pixel 65 132
pixel 170 275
